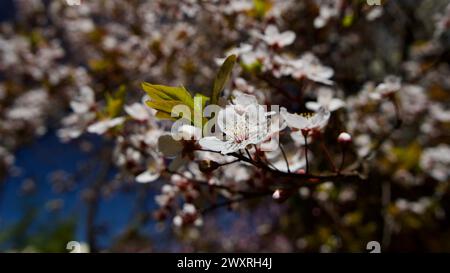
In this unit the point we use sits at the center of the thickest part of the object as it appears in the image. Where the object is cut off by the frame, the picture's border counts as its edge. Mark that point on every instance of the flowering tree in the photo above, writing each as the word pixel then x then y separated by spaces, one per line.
pixel 340 115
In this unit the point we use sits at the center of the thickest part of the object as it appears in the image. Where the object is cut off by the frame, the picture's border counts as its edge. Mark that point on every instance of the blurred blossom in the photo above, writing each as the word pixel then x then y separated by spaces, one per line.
pixel 325 99
pixel 103 126
pixel 310 67
pixel 436 162
pixel 374 13
pixel 273 37
pixel 390 85
pixel 328 9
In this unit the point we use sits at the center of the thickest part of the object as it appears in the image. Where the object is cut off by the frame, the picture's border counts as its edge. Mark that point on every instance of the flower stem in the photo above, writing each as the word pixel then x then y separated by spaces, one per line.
pixel 344 150
pixel 306 153
pixel 285 158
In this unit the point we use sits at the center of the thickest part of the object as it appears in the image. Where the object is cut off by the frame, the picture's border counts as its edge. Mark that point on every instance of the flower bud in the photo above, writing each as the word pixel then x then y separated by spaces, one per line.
pixel 344 138
pixel 281 195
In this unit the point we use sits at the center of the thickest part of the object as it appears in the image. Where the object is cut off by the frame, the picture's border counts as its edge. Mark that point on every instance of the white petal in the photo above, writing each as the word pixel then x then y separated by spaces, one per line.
pixel 212 143
pixel 231 147
pixel 189 132
pixel 137 111
pixel 227 119
pixel 294 120
pixel 335 104
pixel 104 125
pixel 147 176
pixel 271 31
pixel 287 38
pixel 79 107
pixel 312 105
pixel 325 95
pixel 87 95
pixel 320 119
pixel 245 100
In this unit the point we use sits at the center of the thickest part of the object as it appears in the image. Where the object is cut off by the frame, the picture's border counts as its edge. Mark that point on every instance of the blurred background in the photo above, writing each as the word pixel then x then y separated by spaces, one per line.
pixel 54 190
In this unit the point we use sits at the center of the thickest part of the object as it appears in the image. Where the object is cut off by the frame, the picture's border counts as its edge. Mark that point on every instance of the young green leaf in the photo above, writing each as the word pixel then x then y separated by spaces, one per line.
pixel 114 102
pixel 164 106
pixel 161 92
pixel 222 77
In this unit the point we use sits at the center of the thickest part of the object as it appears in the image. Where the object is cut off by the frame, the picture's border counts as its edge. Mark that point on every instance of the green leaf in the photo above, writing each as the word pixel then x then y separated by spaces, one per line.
pixel 161 92
pixel 164 115
pixel 114 102
pixel 164 98
pixel 165 106
pixel 261 7
pixel 222 77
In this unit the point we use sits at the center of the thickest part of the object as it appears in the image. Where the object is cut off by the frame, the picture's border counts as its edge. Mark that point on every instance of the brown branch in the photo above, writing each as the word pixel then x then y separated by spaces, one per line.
pixel 94 200
pixel 233 201
pixel 299 179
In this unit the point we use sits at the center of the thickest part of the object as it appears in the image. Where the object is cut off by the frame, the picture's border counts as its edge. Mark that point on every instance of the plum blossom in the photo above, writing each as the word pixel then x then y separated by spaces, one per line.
pixel 153 171
pixel 328 9
pixel 273 37
pixel 306 123
pixel 374 13
pixel 390 85
pixel 243 48
pixel 309 66
pixel 439 113
pixel 103 126
pixel 188 215
pixel 245 122
pixel 237 6
pixel 436 162
pixel 442 22
pixel 325 99
pixel 84 102
pixel 83 107
pixel 29 106
pixel 138 111
pixel 413 100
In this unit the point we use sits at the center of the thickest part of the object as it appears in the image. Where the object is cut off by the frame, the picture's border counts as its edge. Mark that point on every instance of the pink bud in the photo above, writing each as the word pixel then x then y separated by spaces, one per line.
pixel 344 137
pixel 276 194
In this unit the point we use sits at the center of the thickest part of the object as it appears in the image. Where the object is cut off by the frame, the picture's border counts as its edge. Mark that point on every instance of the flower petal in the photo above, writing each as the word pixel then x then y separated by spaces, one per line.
pixel 147 176
pixel 312 105
pixel 212 143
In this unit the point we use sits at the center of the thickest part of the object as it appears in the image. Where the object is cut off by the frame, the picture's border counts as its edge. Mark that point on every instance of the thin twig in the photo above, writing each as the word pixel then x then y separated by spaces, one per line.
pixel 285 157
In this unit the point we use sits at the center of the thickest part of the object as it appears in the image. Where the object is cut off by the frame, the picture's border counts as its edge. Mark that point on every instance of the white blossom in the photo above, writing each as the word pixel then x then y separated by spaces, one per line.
pixel 390 85
pixel 309 66
pixel 325 99
pixel 245 122
pixel 102 126
pixel 309 123
pixel 273 37
pixel 436 162
pixel 138 111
